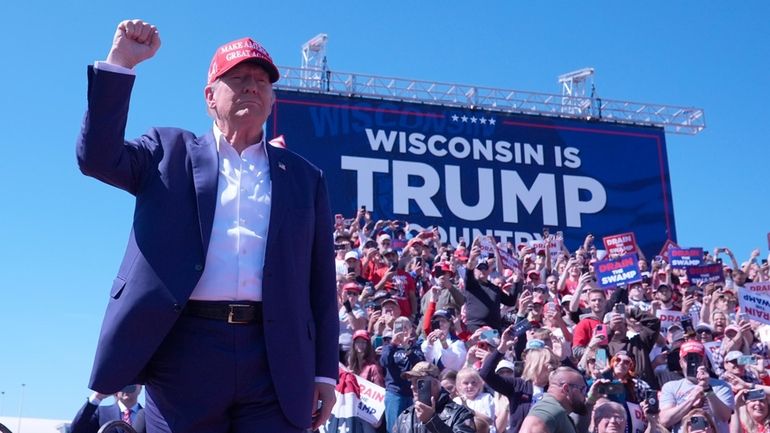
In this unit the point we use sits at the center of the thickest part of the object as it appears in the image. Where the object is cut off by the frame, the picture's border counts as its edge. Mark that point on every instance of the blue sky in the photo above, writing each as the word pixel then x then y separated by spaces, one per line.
pixel 63 234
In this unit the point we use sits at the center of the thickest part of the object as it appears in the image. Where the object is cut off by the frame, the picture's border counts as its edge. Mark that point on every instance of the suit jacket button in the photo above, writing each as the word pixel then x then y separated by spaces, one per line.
pixel 199 267
pixel 177 308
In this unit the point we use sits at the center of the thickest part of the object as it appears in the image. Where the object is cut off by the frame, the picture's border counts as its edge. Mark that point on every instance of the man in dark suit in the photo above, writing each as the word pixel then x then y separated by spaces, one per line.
pixel 126 408
pixel 225 303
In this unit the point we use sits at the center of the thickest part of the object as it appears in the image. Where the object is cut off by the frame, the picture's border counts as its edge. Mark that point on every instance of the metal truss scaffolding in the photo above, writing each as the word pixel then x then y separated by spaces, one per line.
pixel 674 119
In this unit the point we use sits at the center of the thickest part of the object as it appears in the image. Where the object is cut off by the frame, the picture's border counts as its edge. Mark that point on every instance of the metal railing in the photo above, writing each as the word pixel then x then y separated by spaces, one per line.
pixel 674 119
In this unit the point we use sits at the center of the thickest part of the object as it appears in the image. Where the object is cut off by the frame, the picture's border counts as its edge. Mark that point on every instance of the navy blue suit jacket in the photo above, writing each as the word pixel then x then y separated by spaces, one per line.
pixel 173 175
pixel 91 417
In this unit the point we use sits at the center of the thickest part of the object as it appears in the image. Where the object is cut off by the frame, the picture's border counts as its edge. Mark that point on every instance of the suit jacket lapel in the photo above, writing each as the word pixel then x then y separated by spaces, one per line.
pixel 205 169
pixel 280 190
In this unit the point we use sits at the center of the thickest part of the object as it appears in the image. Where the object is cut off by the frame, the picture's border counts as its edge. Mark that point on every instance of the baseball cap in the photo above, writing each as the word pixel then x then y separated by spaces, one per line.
pixel 444 314
pixel 361 333
pixel 503 364
pixel 422 369
pixel 444 267
pixel 241 50
pixel 534 344
pixel 351 255
pixel 352 286
pixel 389 300
pixel 382 237
pixel 692 346
pixel 566 298
pixel 704 327
pixel 482 266
pixel 733 355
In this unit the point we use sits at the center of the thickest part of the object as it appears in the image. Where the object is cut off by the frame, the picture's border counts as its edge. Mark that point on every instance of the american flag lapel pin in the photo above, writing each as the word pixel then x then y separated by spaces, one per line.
pixel 282 166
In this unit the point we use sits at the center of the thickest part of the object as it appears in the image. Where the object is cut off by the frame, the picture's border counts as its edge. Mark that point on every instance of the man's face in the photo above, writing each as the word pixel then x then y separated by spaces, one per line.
pixel 551 283
pixel 391 309
pixel 576 389
pixel 635 292
pixel 596 302
pixel 734 368
pixel 128 396
pixel 663 294
pixel 242 96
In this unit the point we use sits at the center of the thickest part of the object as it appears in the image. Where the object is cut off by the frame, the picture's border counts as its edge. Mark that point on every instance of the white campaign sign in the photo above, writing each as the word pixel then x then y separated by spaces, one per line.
pixel 712 347
pixel 762 288
pixel 372 404
pixel 668 318
pixel 756 306
pixel 638 420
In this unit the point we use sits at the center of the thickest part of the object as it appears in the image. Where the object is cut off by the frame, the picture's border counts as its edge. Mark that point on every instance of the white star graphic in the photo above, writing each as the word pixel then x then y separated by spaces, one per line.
pixel 474 119
pixel 492 121
pixel 483 120
pixel 455 117
pixel 464 118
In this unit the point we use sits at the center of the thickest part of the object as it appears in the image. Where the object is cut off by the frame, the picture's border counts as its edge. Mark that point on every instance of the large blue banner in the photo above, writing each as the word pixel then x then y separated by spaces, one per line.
pixel 469 171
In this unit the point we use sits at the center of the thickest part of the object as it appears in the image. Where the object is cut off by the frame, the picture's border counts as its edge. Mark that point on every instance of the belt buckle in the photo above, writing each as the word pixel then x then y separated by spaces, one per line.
pixel 231 313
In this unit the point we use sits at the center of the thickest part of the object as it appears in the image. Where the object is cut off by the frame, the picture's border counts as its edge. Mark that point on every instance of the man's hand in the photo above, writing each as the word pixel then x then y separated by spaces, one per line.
pixel 135 41
pixel 423 411
pixel 323 393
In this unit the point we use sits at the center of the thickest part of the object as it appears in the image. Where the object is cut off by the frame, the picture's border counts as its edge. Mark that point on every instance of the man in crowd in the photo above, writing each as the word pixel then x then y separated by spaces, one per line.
pixel 126 408
pixel 440 414
pixel 222 277
pixel 696 390
pixel 566 394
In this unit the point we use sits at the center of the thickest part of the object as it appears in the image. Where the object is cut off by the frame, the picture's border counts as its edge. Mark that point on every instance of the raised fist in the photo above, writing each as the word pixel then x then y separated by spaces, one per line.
pixel 135 41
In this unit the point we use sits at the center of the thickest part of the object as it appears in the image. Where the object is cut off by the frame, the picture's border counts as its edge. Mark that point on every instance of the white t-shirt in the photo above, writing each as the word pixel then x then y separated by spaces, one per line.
pixel 483 404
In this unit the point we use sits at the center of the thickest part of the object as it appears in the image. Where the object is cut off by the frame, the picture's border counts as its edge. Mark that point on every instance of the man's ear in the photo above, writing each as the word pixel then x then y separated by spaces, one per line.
pixel 208 95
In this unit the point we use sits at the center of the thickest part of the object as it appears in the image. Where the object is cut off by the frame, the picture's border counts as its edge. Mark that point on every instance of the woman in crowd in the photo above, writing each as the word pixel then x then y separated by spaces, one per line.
pixel 441 345
pixel 623 371
pixel 522 392
pixel 362 360
pixel 470 390
pixel 751 414
pixel 609 417
pixel 698 421
pixel 448 380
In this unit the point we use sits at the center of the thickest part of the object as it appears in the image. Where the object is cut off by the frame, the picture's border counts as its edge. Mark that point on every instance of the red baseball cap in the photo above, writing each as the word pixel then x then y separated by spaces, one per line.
pixel 233 53
pixel 361 333
pixel 692 346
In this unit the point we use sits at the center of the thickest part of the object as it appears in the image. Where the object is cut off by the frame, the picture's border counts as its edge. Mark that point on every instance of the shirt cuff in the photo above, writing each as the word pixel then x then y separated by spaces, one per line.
pixel 327 380
pixel 109 67
pixel 94 400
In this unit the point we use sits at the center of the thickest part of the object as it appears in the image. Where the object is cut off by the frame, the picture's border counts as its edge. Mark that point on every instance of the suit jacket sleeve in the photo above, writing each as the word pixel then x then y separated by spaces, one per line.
pixel 323 287
pixel 102 151
pixel 86 420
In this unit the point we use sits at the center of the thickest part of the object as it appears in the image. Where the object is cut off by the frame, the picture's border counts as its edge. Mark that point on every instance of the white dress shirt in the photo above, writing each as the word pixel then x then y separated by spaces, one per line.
pixel 236 253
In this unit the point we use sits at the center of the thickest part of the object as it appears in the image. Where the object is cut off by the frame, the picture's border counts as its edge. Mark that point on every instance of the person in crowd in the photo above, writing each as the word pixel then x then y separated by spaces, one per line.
pixel 566 394
pixel 352 316
pixel 399 283
pixel 699 420
pixel 197 266
pixel 448 379
pixel 752 413
pixel 639 345
pixel 398 357
pixel 91 417
pixel 362 360
pixel 441 345
pixel 609 417
pixel 440 415
pixel 449 297
pixel 482 297
pixel 471 394
pixel 695 390
pixel 522 392
pixel 623 371
pixel 597 301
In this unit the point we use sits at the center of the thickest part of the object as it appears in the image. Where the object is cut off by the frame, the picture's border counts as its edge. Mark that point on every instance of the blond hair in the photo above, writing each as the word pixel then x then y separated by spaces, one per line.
pixel 535 361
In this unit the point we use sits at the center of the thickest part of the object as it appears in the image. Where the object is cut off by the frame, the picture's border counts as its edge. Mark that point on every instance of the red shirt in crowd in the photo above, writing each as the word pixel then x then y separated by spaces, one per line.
pixel 399 287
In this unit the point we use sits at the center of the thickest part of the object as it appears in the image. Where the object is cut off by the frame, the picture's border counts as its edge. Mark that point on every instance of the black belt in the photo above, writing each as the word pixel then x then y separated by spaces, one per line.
pixel 227 311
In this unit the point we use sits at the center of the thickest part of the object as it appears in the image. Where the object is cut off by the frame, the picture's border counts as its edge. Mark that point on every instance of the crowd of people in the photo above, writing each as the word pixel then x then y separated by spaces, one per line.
pixel 463 341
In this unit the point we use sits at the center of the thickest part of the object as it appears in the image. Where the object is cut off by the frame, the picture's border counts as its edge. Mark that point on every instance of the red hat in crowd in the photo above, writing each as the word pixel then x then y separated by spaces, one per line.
pixel 233 53
pixel 444 268
pixel 361 333
pixel 692 346
pixel 353 287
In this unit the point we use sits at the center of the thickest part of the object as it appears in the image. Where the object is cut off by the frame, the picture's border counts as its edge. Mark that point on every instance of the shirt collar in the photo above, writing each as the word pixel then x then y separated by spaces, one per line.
pixel 219 137
pixel 134 408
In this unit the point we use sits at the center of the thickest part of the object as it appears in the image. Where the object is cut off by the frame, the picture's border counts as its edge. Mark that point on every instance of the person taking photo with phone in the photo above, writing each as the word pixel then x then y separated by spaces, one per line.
pixel 433 409
pixel 696 390
pixel 398 357
pixel 752 412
